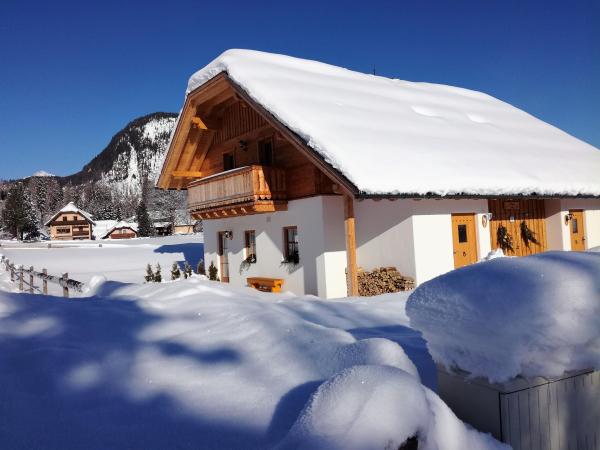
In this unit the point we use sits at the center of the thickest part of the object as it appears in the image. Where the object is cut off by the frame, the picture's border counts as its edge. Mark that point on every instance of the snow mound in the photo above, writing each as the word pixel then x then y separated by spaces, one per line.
pixel 378 407
pixel 339 113
pixel 195 364
pixel 533 316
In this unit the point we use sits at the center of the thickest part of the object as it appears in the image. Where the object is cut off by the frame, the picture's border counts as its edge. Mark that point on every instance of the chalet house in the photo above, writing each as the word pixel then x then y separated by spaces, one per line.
pixel 70 223
pixel 305 172
pixel 122 230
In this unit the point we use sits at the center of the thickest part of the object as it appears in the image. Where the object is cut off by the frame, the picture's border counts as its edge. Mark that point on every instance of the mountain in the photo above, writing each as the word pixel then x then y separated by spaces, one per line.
pixel 133 154
pixel 112 184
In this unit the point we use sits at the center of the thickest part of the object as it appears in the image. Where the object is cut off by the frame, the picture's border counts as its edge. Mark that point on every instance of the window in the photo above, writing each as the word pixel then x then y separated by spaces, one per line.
pixel 574 226
pixel 462 233
pixel 265 153
pixel 65 218
pixel 290 241
pixel 250 246
pixel 63 231
pixel 228 161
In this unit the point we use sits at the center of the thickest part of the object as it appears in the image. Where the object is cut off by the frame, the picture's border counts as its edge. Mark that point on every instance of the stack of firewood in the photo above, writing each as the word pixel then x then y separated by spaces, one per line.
pixel 383 280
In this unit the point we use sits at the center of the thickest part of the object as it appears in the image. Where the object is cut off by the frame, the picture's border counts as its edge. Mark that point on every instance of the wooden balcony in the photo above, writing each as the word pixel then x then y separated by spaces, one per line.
pixel 238 192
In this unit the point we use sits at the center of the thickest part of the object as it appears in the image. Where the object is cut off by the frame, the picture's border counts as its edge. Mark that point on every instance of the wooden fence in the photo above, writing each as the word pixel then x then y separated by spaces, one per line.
pixel 17 275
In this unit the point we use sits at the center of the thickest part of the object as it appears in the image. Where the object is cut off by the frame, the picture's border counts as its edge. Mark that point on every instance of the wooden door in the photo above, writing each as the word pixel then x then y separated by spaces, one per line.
pixel 522 222
pixel 223 257
pixel 576 227
pixel 464 239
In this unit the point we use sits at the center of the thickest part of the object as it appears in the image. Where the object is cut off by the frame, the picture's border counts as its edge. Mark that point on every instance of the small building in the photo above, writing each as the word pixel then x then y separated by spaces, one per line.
pixel 70 223
pixel 304 171
pixel 184 223
pixel 122 230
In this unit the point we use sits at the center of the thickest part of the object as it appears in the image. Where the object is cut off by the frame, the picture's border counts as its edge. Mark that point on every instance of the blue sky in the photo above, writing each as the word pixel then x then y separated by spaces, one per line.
pixel 73 73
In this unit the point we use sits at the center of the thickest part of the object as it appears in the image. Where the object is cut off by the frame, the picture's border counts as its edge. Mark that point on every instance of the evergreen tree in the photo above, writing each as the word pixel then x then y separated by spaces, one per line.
pixel 145 227
pixel 187 270
pixel 157 274
pixel 212 272
pixel 200 270
pixel 175 272
pixel 18 215
pixel 149 274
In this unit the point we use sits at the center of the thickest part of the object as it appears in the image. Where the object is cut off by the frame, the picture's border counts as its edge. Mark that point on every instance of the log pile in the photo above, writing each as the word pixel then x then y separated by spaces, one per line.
pixel 382 280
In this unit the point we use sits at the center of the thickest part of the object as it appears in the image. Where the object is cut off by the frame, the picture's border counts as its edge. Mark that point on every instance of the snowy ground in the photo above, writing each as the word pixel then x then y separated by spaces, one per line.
pixel 116 260
pixel 198 364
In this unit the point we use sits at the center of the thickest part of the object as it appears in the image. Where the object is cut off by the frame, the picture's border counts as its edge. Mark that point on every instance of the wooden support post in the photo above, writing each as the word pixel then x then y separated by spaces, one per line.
pixel 31 280
pixel 21 278
pixel 65 279
pixel 352 270
pixel 45 281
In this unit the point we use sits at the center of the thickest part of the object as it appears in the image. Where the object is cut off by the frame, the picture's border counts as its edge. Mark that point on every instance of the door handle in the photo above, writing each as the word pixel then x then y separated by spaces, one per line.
pixel 464 253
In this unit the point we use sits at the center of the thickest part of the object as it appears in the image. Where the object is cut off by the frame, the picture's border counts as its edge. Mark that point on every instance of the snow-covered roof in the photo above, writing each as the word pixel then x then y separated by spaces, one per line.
pixel 71 208
pixel 389 136
pixel 118 225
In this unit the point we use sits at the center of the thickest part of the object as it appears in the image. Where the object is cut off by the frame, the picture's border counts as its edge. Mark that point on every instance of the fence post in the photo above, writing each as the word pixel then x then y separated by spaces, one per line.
pixel 31 280
pixel 21 278
pixel 45 281
pixel 12 271
pixel 65 278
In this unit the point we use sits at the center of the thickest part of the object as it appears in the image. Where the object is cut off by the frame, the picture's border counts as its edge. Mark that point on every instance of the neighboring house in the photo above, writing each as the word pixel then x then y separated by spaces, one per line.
pixel 122 230
pixel 305 171
pixel 70 223
pixel 184 224
pixel 101 227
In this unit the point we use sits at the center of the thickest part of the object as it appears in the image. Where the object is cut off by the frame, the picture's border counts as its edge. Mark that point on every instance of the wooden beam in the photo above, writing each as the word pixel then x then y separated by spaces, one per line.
pixel 349 223
pixel 186 174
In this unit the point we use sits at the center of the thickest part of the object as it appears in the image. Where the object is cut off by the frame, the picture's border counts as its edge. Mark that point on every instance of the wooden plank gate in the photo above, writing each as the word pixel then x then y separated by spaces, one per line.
pixel 519 217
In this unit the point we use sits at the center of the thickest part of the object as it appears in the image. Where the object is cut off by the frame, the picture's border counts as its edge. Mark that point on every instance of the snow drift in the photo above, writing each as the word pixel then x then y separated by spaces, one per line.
pixel 480 145
pixel 201 365
pixel 533 316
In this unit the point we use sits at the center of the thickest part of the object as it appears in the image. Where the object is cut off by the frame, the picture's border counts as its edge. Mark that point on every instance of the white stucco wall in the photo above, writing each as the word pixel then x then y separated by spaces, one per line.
pixel 320 222
pixel 415 236
pixel 557 231
pixel 591 215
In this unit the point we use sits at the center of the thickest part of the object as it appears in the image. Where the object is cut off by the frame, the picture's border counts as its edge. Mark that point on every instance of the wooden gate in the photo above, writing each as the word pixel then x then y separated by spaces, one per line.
pixel 523 222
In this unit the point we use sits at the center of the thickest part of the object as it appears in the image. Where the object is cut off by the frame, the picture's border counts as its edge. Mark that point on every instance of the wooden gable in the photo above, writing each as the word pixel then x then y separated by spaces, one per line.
pixel 220 121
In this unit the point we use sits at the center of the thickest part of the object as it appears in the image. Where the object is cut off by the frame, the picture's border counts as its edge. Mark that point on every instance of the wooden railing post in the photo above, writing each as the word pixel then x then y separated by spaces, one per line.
pixel 65 279
pixel 21 278
pixel 31 280
pixel 45 281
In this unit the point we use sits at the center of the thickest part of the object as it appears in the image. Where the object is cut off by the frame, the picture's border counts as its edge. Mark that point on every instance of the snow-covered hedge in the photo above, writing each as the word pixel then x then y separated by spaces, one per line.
pixel 537 315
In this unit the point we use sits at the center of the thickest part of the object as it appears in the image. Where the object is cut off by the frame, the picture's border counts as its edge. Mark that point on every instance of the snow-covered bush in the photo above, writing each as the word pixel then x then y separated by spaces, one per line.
pixel 200 270
pixel 534 316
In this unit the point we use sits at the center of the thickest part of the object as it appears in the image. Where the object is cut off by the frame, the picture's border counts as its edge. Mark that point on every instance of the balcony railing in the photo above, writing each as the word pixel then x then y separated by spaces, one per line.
pixel 245 190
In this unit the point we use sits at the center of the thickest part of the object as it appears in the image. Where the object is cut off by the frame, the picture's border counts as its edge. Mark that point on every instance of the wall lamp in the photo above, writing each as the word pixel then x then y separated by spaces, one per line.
pixel 228 234
pixel 567 218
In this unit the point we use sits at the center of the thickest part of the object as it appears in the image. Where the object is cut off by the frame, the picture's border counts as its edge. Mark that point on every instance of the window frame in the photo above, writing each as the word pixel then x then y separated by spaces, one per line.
pixel 250 257
pixel 287 255
pixel 268 140
pixel 229 154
